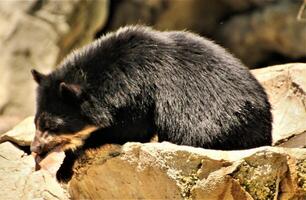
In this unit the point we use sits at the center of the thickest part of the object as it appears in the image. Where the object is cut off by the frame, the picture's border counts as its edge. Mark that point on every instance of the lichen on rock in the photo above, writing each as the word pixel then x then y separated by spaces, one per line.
pixel 260 175
pixel 301 173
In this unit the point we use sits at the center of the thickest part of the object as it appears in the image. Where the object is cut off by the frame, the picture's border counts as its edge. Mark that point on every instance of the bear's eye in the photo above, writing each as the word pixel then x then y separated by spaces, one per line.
pixel 53 130
pixel 51 127
pixel 54 126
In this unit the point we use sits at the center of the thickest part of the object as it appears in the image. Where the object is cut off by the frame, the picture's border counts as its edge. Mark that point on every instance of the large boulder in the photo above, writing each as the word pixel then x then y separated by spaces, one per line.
pixel 168 171
pixel 37 34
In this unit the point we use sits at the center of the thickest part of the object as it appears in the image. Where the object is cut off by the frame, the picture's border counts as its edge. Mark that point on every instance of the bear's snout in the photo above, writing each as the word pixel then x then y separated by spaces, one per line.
pixel 36 149
pixel 39 142
pixel 36 146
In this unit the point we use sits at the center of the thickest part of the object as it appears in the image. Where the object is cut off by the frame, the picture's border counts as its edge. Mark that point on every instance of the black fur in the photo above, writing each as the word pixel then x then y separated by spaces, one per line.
pixel 138 82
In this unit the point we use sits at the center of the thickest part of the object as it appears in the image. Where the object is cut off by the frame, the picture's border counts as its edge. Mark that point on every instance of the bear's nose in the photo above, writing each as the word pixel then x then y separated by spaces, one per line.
pixel 37 143
pixel 36 147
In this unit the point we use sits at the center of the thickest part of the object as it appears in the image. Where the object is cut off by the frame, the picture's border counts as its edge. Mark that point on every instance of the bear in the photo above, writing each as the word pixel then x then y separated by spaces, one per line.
pixel 138 83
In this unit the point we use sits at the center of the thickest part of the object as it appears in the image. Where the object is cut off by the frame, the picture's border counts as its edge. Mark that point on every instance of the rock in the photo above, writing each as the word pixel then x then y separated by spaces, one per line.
pixel 22 134
pixel 272 30
pixel 19 181
pixel 51 162
pixel 7 122
pixel 286 88
pixel 37 34
pixel 244 5
pixel 15 163
pixel 167 171
pixel 199 16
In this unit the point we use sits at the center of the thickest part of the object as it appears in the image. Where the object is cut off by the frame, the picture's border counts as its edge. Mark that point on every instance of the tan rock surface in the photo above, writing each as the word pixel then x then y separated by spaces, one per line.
pixel 18 178
pixel 286 87
pixel 22 134
pixel 168 171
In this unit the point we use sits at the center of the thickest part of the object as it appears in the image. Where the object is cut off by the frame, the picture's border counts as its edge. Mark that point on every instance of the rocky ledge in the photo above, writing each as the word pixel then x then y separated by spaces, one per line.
pixel 168 171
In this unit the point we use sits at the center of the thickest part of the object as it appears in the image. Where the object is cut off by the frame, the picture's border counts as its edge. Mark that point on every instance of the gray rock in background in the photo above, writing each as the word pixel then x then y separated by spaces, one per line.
pixel 37 34
pixel 260 32
pixel 273 29
pixel 244 5
pixel 200 16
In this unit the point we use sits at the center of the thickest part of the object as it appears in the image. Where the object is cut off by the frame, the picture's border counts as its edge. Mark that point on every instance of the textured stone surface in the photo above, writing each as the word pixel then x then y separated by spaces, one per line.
pixel 164 170
pixel 22 134
pixel 286 87
pixel 19 181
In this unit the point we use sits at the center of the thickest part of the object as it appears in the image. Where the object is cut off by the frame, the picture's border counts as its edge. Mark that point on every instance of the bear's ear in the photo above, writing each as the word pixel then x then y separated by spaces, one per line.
pixel 70 90
pixel 37 76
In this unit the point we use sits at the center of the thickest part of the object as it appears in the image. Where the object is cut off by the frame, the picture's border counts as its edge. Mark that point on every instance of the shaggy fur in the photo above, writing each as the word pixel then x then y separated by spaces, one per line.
pixel 138 82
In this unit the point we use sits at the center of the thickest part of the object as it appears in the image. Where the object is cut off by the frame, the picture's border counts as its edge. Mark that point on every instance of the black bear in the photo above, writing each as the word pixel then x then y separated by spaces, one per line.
pixel 136 83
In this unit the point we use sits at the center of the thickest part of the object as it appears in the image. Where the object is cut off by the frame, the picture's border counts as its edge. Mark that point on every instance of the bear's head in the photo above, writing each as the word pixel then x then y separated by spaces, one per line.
pixel 59 119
